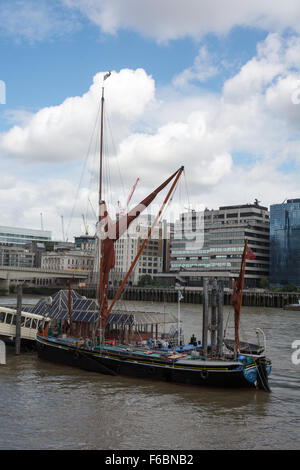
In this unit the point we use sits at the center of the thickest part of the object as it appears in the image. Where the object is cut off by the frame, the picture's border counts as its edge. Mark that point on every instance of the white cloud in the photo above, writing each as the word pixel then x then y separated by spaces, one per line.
pixel 202 69
pixel 257 103
pixel 39 20
pixel 22 203
pixel 262 181
pixel 173 19
pixel 61 133
pixel 35 20
pixel 281 98
pixel 236 146
pixel 258 72
pixel 191 141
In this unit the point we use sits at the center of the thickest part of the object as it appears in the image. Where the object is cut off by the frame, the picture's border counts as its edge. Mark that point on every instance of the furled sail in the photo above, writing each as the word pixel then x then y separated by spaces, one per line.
pixel 238 287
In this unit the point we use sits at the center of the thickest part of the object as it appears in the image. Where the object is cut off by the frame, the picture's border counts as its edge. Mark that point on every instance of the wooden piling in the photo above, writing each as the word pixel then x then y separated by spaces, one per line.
pixel 2 352
pixel 213 324
pixel 18 319
pixel 205 317
pixel 220 316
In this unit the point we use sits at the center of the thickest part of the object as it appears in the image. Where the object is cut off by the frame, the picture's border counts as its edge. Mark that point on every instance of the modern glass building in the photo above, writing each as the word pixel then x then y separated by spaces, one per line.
pixel 285 243
pixel 14 236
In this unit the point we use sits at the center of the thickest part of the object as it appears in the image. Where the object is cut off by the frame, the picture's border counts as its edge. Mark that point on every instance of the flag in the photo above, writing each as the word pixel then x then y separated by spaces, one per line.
pixel 250 254
pixel 180 296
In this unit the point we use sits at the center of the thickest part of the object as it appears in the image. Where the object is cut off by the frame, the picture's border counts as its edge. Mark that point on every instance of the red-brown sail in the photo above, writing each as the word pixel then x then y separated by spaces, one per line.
pixel 112 231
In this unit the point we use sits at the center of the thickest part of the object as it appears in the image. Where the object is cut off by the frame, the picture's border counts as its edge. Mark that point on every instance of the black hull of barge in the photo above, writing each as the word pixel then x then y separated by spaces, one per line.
pixel 222 377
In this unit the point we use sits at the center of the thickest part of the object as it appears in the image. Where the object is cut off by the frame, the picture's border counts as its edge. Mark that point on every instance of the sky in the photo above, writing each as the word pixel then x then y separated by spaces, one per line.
pixel 213 86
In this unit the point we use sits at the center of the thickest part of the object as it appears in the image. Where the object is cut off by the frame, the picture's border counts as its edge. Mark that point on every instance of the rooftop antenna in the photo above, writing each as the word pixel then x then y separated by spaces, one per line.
pixel 42 225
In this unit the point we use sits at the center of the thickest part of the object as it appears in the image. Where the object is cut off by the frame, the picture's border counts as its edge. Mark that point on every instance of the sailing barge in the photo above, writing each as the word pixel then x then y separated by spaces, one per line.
pixel 94 336
pixel 136 345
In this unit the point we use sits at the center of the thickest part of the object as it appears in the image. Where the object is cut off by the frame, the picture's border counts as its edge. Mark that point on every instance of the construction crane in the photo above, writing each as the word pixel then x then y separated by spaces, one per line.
pixel 123 209
pixel 62 227
pixel 85 225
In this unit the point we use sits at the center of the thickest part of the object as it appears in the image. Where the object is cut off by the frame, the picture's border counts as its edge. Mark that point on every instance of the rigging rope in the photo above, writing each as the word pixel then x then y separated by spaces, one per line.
pixel 82 172
pixel 114 148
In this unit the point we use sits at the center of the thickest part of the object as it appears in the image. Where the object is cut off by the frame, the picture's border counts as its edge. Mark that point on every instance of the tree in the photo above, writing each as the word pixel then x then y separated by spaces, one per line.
pixel 145 280
pixel 289 288
pixel 264 283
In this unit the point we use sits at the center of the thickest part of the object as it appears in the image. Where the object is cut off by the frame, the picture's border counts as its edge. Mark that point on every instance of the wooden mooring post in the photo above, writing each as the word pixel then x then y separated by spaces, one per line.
pixel 212 321
pixel 205 317
pixel 18 319
pixel 2 353
pixel 220 316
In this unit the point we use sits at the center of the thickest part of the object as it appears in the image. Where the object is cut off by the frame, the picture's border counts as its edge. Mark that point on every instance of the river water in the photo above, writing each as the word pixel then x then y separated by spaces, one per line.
pixel 48 406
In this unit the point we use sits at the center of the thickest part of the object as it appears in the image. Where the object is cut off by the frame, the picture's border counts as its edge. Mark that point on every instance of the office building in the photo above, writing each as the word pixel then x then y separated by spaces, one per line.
pixel 210 244
pixel 285 243
pixel 16 257
pixel 67 260
pixel 155 256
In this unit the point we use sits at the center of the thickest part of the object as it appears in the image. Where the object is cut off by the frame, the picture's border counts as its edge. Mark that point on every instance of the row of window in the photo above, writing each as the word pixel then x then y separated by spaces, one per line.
pixel 148 271
pixel 57 262
pixel 204 265
pixel 225 234
pixel 26 322
pixel 208 250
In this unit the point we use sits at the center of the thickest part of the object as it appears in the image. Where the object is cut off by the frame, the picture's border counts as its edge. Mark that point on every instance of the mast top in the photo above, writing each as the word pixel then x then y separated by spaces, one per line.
pixel 108 74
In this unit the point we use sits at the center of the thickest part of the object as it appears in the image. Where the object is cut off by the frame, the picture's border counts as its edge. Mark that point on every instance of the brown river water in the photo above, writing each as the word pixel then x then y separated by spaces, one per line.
pixel 48 406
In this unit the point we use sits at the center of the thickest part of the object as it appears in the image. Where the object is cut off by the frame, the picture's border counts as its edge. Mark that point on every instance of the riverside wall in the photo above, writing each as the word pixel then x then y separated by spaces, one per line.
pixel 251 298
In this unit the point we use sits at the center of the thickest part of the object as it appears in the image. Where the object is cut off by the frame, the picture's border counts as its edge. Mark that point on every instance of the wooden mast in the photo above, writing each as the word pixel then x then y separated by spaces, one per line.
pixel 100 215
pixel 100 200
pixel 101 150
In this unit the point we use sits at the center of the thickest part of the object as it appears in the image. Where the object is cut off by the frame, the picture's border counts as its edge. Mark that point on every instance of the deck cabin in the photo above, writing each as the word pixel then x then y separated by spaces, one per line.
pixel 136 327
pixel 121 326
pixel 84 314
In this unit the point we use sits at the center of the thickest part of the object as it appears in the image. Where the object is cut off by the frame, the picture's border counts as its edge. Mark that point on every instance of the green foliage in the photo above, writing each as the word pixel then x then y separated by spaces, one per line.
pixel 145 280
pixel 264 283
pixel 289 288
pixel 286 288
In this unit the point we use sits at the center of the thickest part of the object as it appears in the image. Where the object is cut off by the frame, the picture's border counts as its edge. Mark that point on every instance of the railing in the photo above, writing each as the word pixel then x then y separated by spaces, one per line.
pixel 68 271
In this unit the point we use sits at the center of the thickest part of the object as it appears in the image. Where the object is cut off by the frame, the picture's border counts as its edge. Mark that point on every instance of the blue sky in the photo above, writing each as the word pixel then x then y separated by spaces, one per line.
pixel 210 86
pixel 44 73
